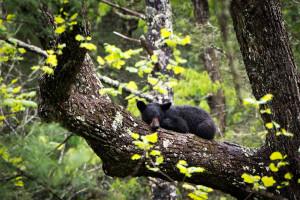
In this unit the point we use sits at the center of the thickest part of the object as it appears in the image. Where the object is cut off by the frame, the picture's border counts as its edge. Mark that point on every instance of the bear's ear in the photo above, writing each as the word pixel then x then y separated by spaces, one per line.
pixel 141 105
pixel 165 106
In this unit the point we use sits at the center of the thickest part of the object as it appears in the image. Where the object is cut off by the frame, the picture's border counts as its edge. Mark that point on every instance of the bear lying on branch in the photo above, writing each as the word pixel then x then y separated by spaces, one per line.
pixel 182 119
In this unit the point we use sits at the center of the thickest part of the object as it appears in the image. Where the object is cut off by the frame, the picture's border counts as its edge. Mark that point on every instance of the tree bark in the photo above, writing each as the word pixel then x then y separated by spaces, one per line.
pixel 271 68
pixel 71 97
pixel 158 16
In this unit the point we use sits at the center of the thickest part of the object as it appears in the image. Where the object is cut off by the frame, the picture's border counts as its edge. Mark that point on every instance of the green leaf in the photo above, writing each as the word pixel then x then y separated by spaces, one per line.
pixel 9 102
pixel 28 103
pixel 132 69
pixel 188 186
pixel 31 94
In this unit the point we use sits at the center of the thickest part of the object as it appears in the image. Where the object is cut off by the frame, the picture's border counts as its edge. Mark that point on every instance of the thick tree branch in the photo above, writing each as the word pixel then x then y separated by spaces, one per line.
pixel 71 97
pixel 28 47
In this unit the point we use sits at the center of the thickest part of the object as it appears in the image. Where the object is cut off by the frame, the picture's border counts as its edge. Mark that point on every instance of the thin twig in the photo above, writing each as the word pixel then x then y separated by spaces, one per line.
pixel 18 21
pixel 139 15
pixel 63 142
pixel 117 84
pixel 127 38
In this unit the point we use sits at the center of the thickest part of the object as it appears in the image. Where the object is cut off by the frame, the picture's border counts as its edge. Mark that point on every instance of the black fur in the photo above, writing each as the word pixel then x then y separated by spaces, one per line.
pixel 183 119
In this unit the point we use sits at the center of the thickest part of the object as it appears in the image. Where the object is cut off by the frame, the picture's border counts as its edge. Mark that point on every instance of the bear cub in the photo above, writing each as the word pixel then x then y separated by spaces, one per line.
pixel 183 119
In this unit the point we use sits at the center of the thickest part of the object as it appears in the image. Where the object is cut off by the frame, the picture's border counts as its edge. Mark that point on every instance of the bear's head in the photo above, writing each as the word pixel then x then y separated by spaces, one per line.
pixel 153 113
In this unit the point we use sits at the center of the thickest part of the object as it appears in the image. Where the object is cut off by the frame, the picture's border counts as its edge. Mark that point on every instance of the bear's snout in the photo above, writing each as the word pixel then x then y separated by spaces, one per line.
pixel 154 124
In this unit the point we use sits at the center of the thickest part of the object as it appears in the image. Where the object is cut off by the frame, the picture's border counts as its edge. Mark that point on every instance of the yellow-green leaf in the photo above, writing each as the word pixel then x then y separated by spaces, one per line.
pixel 13 81
pixel 135 136
pixel 159 160
pixel 22 50
pixel 136 157
pixel 249 178
pixel 79 37
pixel 186 40
pixel 177 69
pixel 2 117
pixel 35 67
pixel 194 196
pixel 288 175
pixel 155 153
pixel 267 97
pixel 17 89
pixel 165 33
pixel 152 81
pixel 59 20
pixel 60 29
pixel 10 17
pixel 182 162
pixel 154 58
pixel 88 46
pixel 47 70
pixel 19 183
pixel 273 167
pixel 132 85
pixel 182 168
pixel 151 138
pixel 100 60
pixel 52 60
pixel 268 181
pixel 269 125
pixel 73 17
pixel 276 155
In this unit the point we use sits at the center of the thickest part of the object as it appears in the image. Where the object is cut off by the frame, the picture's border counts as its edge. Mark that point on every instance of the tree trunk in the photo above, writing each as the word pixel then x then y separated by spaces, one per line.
pixel 211 60
pixel 158 16
pixel 71 97
pixel 271 69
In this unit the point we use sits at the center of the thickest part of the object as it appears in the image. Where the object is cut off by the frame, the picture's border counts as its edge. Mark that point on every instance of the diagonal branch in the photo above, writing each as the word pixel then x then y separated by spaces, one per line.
pixel 134 13
pixel 28 47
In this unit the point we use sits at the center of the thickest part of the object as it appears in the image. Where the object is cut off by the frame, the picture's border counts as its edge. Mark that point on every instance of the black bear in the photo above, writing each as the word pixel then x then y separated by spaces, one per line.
pixel 183 119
